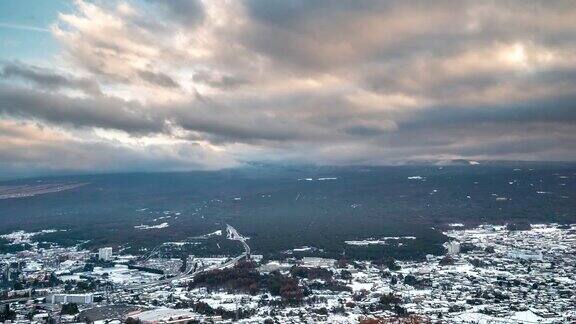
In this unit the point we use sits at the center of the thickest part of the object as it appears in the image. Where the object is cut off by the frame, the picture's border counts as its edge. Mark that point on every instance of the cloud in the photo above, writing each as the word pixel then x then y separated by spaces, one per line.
pixel 185 12
pixel 216 80
pixel 158 78
pixel 77 112
pixel 31 147
pixel 327 82
pixel 48 79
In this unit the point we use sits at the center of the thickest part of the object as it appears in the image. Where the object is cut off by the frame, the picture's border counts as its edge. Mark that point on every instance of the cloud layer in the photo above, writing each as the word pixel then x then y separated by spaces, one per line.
pixel 209 84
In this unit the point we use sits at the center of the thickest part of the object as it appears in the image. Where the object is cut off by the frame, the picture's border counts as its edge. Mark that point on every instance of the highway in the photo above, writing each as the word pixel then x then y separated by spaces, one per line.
pixel 231 234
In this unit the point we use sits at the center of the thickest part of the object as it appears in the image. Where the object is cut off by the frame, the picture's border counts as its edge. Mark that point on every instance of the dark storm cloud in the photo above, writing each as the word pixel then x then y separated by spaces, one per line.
pixel 361 130
pixel 185 12
pixel 217 121
pixel 521 146
pixel 25 150
pixel 557 110
pixel 310 36
pixel 218 81
pixel 235 122
pixel 48 79
pixel 81 112
pixel 158 78
pixel 292 12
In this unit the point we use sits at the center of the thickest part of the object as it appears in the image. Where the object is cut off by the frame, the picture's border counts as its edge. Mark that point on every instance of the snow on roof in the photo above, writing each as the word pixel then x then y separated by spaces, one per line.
pixel 146 227
pixel 526 316
pixel 160 314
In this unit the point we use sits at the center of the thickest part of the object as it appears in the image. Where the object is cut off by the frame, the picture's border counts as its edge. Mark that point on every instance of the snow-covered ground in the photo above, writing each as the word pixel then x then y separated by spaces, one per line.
pixel 501 275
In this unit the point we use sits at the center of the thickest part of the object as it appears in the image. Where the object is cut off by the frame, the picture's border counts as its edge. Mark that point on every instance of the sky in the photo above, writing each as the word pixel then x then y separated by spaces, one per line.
pixel 150 85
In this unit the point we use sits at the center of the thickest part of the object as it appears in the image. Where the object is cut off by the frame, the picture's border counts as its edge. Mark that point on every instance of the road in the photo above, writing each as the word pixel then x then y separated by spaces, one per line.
pixel 14 300
pixel 231 234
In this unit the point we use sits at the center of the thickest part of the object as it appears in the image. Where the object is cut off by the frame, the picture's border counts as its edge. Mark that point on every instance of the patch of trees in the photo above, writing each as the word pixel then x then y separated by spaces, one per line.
pixel 392 265
pixel 7 314
pixel 456 308
pixel 320 311
pixel 132 320
pixel 474 301
pixel 81 286
pixel 146 269
pixel 245 278
pixel 410 280
pixel 390 299
pixel 468 247
pixel 417 282
pixel 311 273
pixel 59 238
pixel 69 309
pixel 6 247
pixel 346 275
pixel 477 262
pixel 392 302
pixel 387 263
pixel 489 249
pixel 518 226
pixel 342 262
pixel 88 267
pixel 447 260
pixel 329 285
pixel 285 287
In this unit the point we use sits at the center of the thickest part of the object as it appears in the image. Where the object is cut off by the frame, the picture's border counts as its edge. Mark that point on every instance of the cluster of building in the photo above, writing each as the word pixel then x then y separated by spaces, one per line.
pixel 489 274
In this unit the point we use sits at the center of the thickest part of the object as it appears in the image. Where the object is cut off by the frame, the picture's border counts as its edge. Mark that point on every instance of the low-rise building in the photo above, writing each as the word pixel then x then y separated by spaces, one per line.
pixel 71 298
pixel 314 262
pixel 452 247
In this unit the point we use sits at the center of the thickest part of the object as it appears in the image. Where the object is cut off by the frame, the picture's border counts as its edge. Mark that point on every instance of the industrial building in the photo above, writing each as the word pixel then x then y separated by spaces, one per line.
pixel 71 298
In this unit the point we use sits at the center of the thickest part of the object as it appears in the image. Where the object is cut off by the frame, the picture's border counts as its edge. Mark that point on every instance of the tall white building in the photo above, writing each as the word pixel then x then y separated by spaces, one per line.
pixel 105 253
pixel 452 247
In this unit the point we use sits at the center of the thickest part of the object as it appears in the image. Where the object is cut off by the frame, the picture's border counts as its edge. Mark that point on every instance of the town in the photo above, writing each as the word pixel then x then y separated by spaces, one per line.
pixel 488 274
